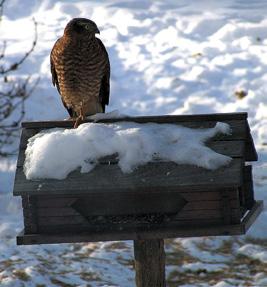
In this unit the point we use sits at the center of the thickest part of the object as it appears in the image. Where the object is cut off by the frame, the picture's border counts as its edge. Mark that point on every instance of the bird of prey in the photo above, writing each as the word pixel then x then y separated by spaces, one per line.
pixel 80 70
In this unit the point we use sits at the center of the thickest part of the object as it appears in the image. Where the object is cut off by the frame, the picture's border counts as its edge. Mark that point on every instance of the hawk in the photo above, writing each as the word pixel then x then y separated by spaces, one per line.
pixel 80 70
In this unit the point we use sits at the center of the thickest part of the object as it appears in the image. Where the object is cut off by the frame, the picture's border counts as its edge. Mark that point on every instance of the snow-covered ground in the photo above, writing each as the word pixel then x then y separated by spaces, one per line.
pixel 167 57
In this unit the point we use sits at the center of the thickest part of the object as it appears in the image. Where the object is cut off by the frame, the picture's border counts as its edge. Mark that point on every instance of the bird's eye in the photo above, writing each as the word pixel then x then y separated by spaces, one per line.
pixel 87 27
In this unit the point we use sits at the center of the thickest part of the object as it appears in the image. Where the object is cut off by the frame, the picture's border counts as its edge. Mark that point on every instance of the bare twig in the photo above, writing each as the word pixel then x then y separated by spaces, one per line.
pixel 2 55
pixel 13 95
pixel 16 65
pixel 1 8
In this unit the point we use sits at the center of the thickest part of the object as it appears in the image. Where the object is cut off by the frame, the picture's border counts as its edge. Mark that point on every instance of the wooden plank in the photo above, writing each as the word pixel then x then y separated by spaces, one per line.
pixel 74 223
pixel 192 217
pixel 182 215
pixel 58 211
pixel 25 135
pixel 206 205
pixel 194 205
pixel 225 207
pixel 21 158
pixel 55 201
pixel 30 214
pixel 78 224
pixel 252 215
pixel 122 203
pixel 62 220
pixel 130 203
pixel 230 148
pixel 125 225
pixel 155 177
pixel 198 214
pixel 250 150
pixel 161 232
pixel 247 189
pixel 204 195
pixel 160 119
pixel 174 232
pixel 206 214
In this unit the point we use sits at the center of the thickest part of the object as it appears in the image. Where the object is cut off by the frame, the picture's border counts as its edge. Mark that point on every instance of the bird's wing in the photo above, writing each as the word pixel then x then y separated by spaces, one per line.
pixel 53 68
pixel 105 87
pixel 55 78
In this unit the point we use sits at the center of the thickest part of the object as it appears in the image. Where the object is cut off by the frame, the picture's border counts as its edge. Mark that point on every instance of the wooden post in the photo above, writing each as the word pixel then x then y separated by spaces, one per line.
pixel 149 263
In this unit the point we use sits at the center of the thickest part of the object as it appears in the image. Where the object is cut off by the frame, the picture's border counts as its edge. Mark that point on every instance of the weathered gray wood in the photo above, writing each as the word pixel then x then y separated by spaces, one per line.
pixel 225 207
pixel 127 226
pixel 184 231
pixel 250 150
pixel 252 215
pixel 208 230
pixel 30 214
pixel 55 201
pixel 161 119
pixel 25 135
pixel 149 263
pixel 182 215
pixel 156 233
pixel 192 216
pixel 130 203
pixel 62 220
pixel 178 231
pixel 194 205
pixel 203 195
pixel 247 188
pixel 166 176
pixel 207 204
pixel 56 211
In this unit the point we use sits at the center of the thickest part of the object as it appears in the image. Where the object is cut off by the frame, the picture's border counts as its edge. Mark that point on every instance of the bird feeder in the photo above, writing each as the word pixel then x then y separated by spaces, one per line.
pixel 156 201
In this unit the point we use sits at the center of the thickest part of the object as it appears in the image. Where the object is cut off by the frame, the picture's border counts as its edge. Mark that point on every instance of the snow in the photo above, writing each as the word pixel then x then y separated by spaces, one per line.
pixel 109 115
pixel 203 267
pixel 57 152
pixel 167 57
pixel 206 255
pixel 253 251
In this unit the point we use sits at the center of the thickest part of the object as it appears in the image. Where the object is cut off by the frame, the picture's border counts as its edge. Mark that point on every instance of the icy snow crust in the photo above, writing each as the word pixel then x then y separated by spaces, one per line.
pixel 57 152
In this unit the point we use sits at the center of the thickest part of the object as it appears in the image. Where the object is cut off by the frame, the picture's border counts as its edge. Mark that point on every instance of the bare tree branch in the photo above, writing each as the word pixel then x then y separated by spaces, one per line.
pixel 1 8
pixel 13 95
pixel 16 65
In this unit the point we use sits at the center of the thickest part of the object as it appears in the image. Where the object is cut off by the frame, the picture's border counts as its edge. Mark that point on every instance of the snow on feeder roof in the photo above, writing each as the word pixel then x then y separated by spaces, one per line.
pixel 54 153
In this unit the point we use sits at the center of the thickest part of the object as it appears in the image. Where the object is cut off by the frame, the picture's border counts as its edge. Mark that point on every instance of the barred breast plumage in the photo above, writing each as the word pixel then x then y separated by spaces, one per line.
pixel 80 69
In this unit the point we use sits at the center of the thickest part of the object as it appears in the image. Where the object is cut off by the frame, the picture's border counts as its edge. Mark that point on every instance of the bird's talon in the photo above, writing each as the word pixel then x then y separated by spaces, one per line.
pixel 78 122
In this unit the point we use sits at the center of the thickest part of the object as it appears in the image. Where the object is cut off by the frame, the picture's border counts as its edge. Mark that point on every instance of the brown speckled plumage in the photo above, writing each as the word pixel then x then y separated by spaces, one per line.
pixel 80 69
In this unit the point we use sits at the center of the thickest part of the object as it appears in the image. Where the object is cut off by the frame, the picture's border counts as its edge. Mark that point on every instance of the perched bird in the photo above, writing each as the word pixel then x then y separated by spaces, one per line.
pixel 80 70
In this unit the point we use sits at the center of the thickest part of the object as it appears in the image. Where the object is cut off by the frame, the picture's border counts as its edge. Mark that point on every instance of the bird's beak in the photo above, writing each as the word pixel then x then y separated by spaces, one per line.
pixel 97 31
